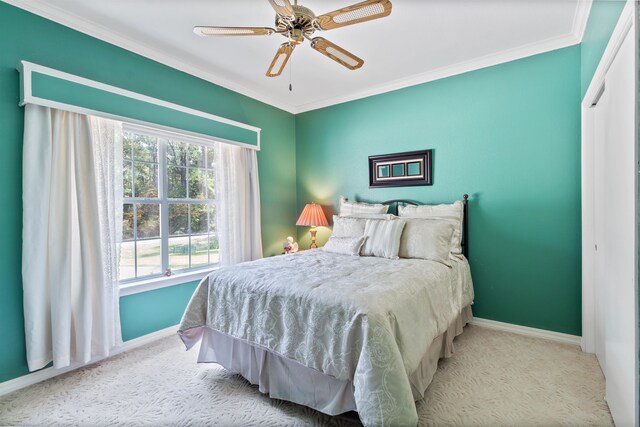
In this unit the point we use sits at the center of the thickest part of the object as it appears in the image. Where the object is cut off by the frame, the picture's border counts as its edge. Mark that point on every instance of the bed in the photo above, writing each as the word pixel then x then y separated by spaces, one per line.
pixel 334 332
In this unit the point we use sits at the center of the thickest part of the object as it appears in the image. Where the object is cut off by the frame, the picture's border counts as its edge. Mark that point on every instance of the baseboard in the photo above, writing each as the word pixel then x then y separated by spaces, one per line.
pixel 46 373
pixel 525 330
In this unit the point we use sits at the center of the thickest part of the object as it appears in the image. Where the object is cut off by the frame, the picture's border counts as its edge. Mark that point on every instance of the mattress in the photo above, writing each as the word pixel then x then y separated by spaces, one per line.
pixel 366 320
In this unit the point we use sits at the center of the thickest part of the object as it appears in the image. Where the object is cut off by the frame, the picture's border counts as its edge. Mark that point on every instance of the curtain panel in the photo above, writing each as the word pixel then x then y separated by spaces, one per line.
pixel 72 180
pixel 238 204
pixel 72 230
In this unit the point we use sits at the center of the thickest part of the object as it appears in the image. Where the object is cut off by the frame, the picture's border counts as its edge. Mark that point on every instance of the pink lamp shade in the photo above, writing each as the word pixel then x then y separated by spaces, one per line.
pixel 312 215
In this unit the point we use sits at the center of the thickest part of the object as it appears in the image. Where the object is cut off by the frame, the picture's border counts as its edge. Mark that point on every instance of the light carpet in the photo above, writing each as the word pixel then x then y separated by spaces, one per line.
pixel 494 379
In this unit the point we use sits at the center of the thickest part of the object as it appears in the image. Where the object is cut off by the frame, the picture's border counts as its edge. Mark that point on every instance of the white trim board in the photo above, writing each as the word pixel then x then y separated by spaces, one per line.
pixel 615 41
pixel 450 70
pixel 105 34
pixel 139 286
pixel 581 18
pixel 527 331
pixel 47 373
pixel 100 32
pixel 579 25
pixel 27 69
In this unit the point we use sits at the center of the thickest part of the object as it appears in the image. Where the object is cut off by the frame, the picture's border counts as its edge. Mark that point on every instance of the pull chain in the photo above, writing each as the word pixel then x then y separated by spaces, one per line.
pixel 290 67
pixel 295 2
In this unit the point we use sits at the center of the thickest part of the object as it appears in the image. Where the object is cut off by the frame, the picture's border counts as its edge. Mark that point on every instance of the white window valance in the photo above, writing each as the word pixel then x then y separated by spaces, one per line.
pixel 56 89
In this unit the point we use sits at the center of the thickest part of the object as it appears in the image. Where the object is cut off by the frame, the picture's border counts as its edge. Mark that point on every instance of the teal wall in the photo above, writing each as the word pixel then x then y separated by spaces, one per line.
pixel 602 20
pixel 508 135
pixel 147 312
pixel 56 46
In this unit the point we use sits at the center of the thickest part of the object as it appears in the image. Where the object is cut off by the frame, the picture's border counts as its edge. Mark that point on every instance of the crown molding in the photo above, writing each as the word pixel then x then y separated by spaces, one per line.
pixel 100 32
pixel 451 70
pixel 624 24
pixel 580 19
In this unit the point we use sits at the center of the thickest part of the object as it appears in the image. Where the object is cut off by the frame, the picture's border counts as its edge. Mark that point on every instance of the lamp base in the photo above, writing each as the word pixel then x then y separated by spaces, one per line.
pixel 313 232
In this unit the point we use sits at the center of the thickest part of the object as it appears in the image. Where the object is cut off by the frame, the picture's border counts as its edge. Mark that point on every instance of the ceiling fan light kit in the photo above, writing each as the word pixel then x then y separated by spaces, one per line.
pixel 298 23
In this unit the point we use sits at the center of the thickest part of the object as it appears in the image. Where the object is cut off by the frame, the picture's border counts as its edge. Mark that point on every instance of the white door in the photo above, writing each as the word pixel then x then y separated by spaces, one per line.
pixel 600 184
pixel 614 221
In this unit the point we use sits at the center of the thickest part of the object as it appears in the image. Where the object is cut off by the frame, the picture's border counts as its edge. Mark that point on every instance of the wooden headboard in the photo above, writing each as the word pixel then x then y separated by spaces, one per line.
pixel 393 208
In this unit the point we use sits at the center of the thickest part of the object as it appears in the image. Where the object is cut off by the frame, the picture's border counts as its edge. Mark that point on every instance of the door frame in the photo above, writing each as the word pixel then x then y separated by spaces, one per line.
pixel 624 25
pixel 630 15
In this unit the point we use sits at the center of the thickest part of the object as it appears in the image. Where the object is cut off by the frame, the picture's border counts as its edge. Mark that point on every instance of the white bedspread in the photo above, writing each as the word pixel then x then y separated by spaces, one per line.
pixel 366 319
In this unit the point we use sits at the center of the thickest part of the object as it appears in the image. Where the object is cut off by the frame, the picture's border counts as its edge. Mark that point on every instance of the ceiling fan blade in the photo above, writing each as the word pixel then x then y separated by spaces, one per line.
pixel 233 31
pixel 280 60
pixel 283 8
pixel 336 53
pixel 361 12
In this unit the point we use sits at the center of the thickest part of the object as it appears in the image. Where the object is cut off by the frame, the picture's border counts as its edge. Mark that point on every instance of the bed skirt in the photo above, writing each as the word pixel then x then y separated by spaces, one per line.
pixel 286 379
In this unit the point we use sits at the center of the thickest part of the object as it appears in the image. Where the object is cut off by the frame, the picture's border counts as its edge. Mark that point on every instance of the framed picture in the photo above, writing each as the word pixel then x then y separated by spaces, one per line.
pixel 400 169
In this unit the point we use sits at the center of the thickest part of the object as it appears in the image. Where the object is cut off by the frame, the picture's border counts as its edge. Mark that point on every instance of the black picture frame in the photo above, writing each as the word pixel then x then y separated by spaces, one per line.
pixel 401 169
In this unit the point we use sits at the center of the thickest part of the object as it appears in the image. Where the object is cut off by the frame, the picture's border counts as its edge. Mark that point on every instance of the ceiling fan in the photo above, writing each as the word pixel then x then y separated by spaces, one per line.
pixel 298 23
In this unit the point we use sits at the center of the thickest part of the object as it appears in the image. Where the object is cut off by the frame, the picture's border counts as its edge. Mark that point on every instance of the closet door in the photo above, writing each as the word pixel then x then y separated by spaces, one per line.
pixel 614 194
pixel 600 184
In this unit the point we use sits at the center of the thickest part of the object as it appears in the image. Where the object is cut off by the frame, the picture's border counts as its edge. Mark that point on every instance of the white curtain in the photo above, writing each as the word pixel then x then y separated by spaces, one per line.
pixel 72 178
pixel 238 204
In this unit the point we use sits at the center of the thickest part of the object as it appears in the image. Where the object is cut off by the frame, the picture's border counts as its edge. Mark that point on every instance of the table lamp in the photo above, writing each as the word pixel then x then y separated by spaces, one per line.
pixel 312 215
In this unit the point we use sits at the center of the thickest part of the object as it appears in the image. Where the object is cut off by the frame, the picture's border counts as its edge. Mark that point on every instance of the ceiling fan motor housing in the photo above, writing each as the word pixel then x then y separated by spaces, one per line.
pixel 300 27
pixel 297 23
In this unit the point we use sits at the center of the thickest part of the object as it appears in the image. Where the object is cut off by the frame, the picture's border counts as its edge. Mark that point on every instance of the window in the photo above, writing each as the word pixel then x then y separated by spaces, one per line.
pixel 168 221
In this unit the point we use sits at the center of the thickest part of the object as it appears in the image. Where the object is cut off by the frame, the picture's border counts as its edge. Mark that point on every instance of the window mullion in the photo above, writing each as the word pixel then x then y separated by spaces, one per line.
pixel 135 240
pixel 189 225
pixel 164 205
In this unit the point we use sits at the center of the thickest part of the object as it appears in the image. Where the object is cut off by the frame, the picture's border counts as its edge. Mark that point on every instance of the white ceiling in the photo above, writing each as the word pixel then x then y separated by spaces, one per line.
pixel 420 41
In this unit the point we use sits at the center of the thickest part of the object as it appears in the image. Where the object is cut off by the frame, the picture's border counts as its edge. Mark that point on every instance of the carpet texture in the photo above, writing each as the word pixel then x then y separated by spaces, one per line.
pixel 494 379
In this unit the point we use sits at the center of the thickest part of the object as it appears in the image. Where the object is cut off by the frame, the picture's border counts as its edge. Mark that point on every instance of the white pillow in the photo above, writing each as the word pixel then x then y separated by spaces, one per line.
pixel 371 216
pixel 348 227
pixel 453 212
pixel 382 238
pixel 427 239
pixel 348 208
pixel 344 245
pixel 351 226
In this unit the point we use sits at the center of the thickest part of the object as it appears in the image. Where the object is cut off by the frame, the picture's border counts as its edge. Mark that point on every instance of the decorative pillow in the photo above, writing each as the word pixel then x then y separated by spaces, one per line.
pixel 348 208
pixel 453 212
pixel 344 245
pixel 427 239
pixel 371 216
pixel 382 238
pixel 348 227
pixel 352 226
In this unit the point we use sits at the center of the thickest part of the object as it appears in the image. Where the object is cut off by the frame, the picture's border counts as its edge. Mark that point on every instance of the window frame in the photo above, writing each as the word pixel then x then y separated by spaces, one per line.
pixel 153 281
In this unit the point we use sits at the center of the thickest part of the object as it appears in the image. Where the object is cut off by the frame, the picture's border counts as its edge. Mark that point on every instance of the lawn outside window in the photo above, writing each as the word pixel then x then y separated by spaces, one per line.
pixel 169 211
